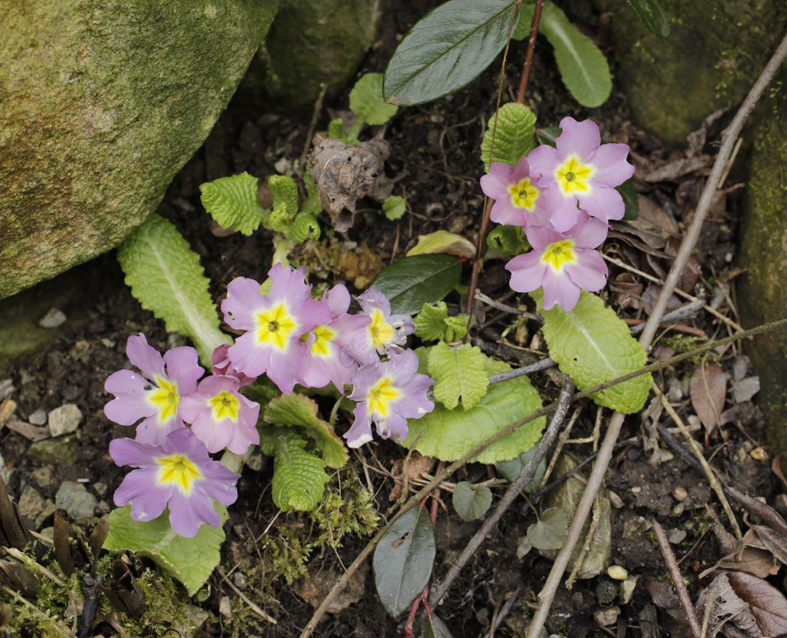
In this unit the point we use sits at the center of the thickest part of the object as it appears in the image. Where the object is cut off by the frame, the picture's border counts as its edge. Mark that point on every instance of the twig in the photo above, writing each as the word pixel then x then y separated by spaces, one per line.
pixel 684 312
pixel 594 523
pixel 509 309
pixel 677 579
pixel 547 594
pixel 244 598
pixel 520 372
pixel 561 441
pixel 695 447
pixel 501 616
pixel 22 558
pixel 313 124
pixel 531 45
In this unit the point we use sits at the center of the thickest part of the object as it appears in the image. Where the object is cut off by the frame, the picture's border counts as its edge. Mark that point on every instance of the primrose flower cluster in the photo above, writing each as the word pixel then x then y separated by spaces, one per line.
pixel 291 338
pixel 563 198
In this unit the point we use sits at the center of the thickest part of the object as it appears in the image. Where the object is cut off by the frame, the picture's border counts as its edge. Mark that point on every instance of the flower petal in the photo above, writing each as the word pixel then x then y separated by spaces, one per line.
pixel 188 511
pixel 589 232
pixel 527 272
pixel 145 357
pixel 611 167
pixel 183 368
pixel 147 497
pixel 580 138
pixel 496 182
pixel 243 303
pixel 559 289
pixel 590 272
pixel 603 203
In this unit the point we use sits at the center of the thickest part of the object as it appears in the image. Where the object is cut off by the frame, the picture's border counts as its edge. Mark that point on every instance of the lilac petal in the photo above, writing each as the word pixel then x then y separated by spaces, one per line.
pixel 504 212
pixel 141 488
pixel 131 403
pixel 527 272
pixel 348 327
pixel 361 349
pixel 219 483
pixel 145 357
pixel 364 379
pixel 521 171
pixel 151 432
pixel 289 284
pixel 394 427
pixel 310 314
pixel 589 232
pixel 603 203
pixel 372 299
pixel 188 511
pixel 611 167
pixel 214 435
pixel 184 442
pixel 416 404
pixel 134 453
pixel 285 366
pixel 242 438
pixel 580 138
pixel 192 405
pixel 361 430
pixel 543 160
pixel 563 211
pixel 243 304
pixel 338 300
pixel 496 182
pixel 183 368
pixel 542 237
pixel 558 288
pixel 249 356
pixel 590 272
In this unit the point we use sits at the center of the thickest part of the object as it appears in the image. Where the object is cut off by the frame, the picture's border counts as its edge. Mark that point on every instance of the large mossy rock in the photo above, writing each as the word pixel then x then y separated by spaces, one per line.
pixel 310 43
pixel 101 103
pixel 713 55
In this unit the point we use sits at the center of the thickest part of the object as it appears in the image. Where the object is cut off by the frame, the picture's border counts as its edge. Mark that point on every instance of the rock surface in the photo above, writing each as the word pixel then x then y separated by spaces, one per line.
pixel 103 102
pixel 311 42
pixel 76 500
pixel 715 51
pixel 65 419
pixel 60 451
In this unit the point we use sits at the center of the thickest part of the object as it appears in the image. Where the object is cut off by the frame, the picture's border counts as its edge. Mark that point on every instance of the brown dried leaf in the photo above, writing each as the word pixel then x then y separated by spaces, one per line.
pixel 650 439
pixel 679 167
pixel 767 604
pixel 316 586
pixel 662 594
pixel 749 555
pixel 655 214
pixel 344 174
pixel 766 513
pixel 691 271
pixel 727 607
pixel 776 466
pixel 415 467
pixel 708 390
pixel 30 432
pixel 775 542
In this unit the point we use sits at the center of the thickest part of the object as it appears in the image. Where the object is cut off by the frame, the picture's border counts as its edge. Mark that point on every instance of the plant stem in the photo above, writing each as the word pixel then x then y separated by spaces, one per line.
pixel 531 45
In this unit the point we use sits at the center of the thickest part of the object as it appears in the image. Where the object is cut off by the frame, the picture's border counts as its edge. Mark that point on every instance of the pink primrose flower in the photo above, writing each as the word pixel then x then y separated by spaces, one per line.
pixel 323 362
pixel 518 199
pixel 563 263
pixel 178 474
pixel 580 174
pixel 222 366
pixel 274 325
pixel 155 394
pixel 388 393
pixel 221 417
pixel 383 331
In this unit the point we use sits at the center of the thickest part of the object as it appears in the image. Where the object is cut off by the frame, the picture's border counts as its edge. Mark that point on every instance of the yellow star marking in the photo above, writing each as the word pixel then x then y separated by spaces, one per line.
pixel 380 395
pixel 380 330
pixel 572 176
pixel 166 399
pixel 323 336
pixel 559 254
pixel 178 469
pixel 225 406
pixel 275 327
pixel 523 195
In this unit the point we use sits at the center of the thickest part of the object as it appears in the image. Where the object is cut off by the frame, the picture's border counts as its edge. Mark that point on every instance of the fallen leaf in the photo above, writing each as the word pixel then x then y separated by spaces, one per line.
pixel 316 586
pixel 767 604
pixel 656 215
pixel 727 607
pixel 662 594
pixel 417 464
pixel 30 432
pixel 708 390
pixel 745 389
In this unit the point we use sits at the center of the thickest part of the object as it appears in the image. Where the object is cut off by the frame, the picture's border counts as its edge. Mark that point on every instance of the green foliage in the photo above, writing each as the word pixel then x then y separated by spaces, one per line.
pixel 583 67
pixel 166 278
pixel 510 470
pixel 592 345
pixel 446 49
pixel 550 531
pixel 655 15
pixel 189 560
pixel 471 502
pixel 514 135
pixel 411 282
pixel 312 205
pixel 368 103
pixel 433 323
pixel 630 199
pixel 305 226
pixel 336 130
pixel 298 475
pixel 285 202
pixel 442 242
pixel 510 240
pixel 435 628
pixel 450 434
pixel 394 207
pixel 522 29
pixel 459 372
pixel 232 202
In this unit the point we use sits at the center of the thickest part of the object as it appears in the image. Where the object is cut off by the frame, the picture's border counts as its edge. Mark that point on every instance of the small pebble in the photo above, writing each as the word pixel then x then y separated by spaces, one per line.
pixel 680 494
pixel 607 617
pixel 636 489
pixel 616 572
pixel 101 488
pixel 65 419
pixel 676 536
pixel 225 609
pixel 627 588
pixel 616 501
pixel 759 454
pixel 76 500
pixel 38 417
pixel 241 580
pixel 53 319
pixel 678 509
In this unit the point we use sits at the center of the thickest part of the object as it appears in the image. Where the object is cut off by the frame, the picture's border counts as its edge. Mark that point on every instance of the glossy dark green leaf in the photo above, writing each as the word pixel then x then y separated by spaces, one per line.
pixel 403 560
pixel 510 470
pixel 469 502
pixel 629 194
pixel 413 281
pixel 435 628
pixel 655 15
pixel 549 135
pixel 445 50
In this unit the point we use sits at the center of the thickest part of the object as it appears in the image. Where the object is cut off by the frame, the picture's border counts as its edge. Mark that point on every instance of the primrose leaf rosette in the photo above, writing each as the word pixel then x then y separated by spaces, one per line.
pixel 450 434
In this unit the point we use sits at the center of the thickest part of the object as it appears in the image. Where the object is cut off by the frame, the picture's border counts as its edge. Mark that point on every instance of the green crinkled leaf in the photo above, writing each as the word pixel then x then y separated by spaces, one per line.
pixel 655 15
pixel 510 240
pixel 305 226
pixel 450 434
pixel 469 502
pixel 299 476
pixel 592 345
pixel 232 202
pixel 166 278
pixel 583 67
pixel 189 560
pixel 411 282
pixel 285 202
pixel 299 410
pixel 459 372
pixel 312 205
pixel 515 135
pixel 446 49
pixel 456 327
pixel 430 322
pixel 550 531
pixel 394 207
pixel 367 101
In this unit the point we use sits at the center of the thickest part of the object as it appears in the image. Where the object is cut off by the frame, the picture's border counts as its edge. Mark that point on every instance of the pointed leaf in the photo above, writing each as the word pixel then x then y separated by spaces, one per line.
pixel 525 23
pixel 413 281
pixel 655 15
pixel 166 278
pixel 189 560
pixel 514 135
pixel 469 502
pixel 549 135
pixel 403 560
pixel 435 628
pixel 630 199
pixel 443 242
pixel 510 240
pixel 367 101
pixel 551 531
pixel 583 67
pixel 592 345
pixel 708 391
pixel 767 604
pixel 459 372
pixel 232 202
pixel 446 49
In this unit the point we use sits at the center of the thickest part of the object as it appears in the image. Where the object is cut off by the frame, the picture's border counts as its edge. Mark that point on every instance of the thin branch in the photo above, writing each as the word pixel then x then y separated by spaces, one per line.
pixel 509 309
pixel 501 616
pixel 531 45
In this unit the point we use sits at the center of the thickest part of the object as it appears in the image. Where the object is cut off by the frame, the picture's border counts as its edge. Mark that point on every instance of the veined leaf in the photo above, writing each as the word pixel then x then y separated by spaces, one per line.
pixel 403 560
pixel 299 477
pixel 450 434
pixel 299 410
pixel 445 50
pixel 510 470
pixel 550 531
pixel 232 202
pixel 549 135
pixel 394 207
pixel 515 135
pixel 435 628
pixel 592 345
pixel 304 226
pixel 469 502
pixel 655 15
pixel 411 282
pixel 433 323
pixel 583 67
pixel 459 372
pixel 367 101
pixel 166 278
pixel 189 560
pixel 285 202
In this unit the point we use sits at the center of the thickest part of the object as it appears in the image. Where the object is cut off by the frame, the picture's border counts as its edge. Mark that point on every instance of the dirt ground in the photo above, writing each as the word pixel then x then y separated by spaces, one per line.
pixel 435 155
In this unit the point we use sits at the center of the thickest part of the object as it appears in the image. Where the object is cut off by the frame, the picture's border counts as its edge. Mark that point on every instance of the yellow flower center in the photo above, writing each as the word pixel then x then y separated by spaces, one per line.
pixel 380 395
pixel 559 254
pixel 523 194
pixel 225 406
pixel 275 327
pixel 323 335
pixel 572 176
pixel 166 399
pixel 380 330
pixel 178 469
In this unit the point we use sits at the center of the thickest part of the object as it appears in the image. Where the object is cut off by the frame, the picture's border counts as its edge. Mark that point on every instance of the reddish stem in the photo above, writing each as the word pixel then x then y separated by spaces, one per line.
pixel 531 45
